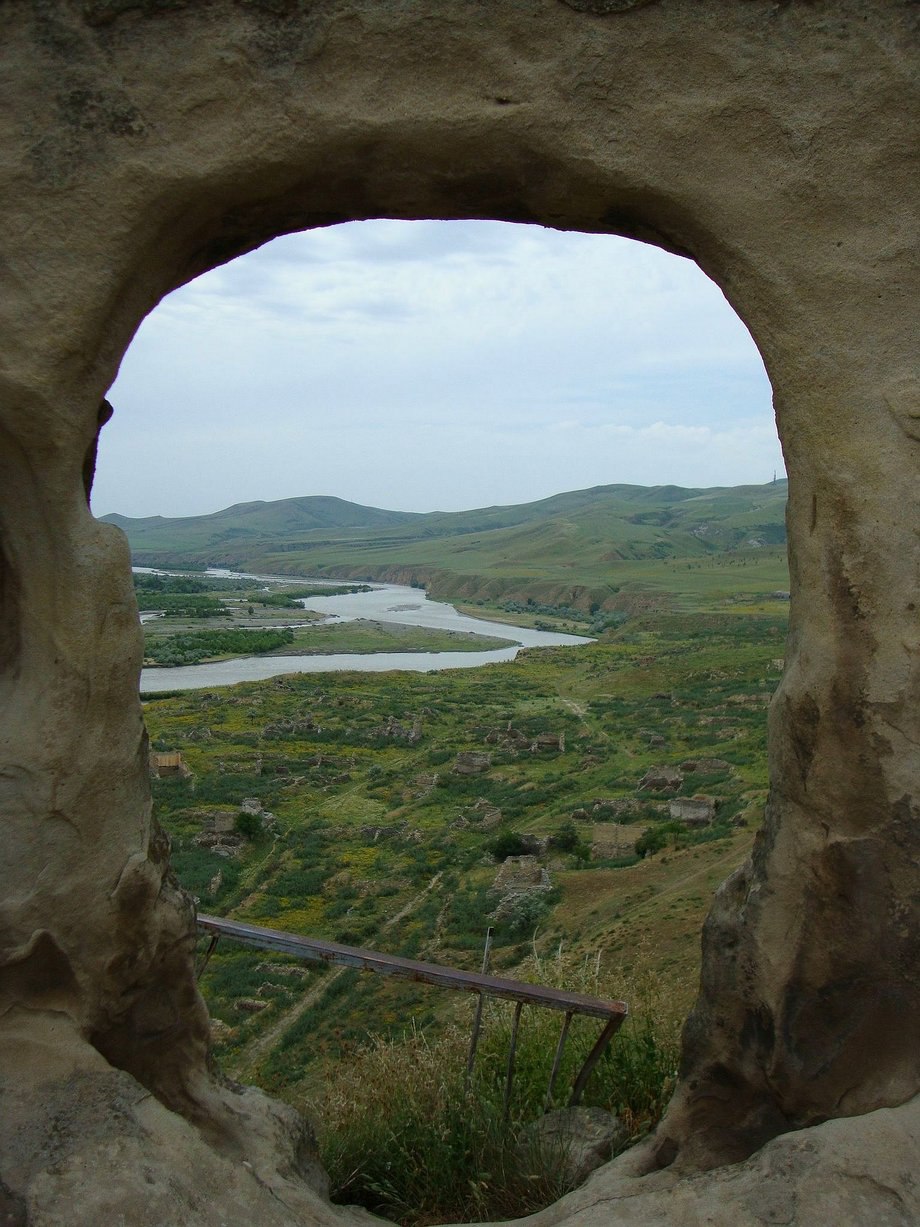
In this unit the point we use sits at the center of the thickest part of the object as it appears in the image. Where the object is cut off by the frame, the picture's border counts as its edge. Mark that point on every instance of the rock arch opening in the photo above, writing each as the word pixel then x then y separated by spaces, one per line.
pixel 630 282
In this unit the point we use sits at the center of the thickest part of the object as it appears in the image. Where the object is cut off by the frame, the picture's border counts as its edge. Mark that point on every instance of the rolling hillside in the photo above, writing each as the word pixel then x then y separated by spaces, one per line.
pixel 244 524
pixel 578 548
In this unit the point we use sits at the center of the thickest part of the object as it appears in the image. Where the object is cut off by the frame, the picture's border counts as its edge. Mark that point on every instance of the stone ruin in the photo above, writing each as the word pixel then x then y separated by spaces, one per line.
pixel 696 811
pixel 661 779
pixel 169 763
pixel 146 141
pixel 521 874
pixel 471 762
pixel 513 740
pixel 518 877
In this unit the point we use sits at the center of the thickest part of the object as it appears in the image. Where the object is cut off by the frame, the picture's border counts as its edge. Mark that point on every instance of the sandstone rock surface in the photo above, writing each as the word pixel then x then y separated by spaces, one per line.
pixel 84 1144
pixel 845 1173
pixel 145 141
pixel 585 1136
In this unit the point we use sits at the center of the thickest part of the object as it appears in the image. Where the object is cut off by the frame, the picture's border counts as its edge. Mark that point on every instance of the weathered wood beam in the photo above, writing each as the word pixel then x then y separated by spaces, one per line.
pixel 313 950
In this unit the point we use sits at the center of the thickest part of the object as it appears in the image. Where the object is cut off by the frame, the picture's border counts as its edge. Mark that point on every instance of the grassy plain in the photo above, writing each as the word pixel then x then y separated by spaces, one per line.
pixel 375 839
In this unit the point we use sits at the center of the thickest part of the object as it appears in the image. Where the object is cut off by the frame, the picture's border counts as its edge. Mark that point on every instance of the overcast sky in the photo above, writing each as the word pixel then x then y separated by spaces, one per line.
pixel 427 366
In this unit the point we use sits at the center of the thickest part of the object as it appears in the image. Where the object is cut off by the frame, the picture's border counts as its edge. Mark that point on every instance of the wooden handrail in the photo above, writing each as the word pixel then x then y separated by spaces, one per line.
pixel 314 950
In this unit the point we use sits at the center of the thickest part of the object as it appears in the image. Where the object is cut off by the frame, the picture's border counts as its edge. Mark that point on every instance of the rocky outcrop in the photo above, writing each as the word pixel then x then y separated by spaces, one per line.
pixel 86 1144
pixel 399 731
pixel 846 1172
pixel 584 1137
pixel 705 766
pixel 512 739
pixel 143 143
pixel 380 834
pixel 289 728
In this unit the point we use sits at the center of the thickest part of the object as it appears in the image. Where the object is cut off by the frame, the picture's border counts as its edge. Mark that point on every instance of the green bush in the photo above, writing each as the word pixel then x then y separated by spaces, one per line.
pixel 524 913
pixel 658 837
pixel 167 583
pixel 198 645
pixel 567 839
pixel 299 883
pixel 248 824
pixel 509 843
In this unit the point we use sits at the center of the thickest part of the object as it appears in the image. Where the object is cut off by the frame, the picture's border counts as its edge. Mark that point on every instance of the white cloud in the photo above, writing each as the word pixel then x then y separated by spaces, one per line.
pixel 416 365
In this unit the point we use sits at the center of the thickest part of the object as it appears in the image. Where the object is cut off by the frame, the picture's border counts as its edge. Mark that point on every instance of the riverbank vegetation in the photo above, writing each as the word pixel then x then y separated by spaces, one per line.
pixel 358 637
pixel 198 620
pixel 366 635
pixel 192 648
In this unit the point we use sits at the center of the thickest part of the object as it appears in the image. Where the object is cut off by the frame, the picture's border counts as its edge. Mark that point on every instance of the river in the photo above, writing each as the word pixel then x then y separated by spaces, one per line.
pixel 384 603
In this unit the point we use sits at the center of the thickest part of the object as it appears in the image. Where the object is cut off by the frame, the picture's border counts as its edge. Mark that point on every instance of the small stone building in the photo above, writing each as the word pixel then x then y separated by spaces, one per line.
pixel 521 873
pixel 166 764
pixel 693 811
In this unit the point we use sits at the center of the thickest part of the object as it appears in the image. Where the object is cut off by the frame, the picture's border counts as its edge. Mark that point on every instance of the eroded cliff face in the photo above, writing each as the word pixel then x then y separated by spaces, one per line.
pixel 143 143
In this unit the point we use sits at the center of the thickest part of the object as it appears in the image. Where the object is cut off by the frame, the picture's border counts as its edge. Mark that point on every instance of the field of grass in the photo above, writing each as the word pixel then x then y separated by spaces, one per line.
pixel 348 820
pixel 446 1148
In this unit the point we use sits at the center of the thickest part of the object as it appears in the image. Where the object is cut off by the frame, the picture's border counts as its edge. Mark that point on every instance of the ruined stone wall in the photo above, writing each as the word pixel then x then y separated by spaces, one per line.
pixel 145 141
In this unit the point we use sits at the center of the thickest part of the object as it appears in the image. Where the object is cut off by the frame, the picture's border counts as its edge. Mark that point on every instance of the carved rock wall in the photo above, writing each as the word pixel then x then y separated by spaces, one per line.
pixel 144 141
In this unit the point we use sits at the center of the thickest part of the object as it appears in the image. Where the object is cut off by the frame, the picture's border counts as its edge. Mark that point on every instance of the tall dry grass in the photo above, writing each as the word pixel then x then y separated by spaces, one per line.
pixel 404 1133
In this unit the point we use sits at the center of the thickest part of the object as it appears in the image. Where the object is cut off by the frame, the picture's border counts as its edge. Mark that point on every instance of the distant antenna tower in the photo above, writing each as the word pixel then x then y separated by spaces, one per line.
pixel 774 477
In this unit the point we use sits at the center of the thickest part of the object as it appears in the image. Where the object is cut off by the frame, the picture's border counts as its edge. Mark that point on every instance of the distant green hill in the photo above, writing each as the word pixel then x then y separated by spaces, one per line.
pixel 568 549
pixel 246 525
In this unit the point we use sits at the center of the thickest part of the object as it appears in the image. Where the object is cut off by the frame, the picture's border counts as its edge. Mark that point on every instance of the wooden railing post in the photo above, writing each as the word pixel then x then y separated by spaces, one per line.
pixel 477 1020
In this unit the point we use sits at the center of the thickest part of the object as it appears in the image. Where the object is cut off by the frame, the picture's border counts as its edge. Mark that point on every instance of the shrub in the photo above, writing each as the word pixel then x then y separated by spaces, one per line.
pixel 525 912
pixel 248 824
pixel 509 843
pixel 658 837
pixel 566 839
pixel 199 645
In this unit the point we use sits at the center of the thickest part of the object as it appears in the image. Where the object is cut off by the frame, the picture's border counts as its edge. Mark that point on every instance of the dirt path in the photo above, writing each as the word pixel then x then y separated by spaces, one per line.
pixel 581 712
pixel 260 1047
